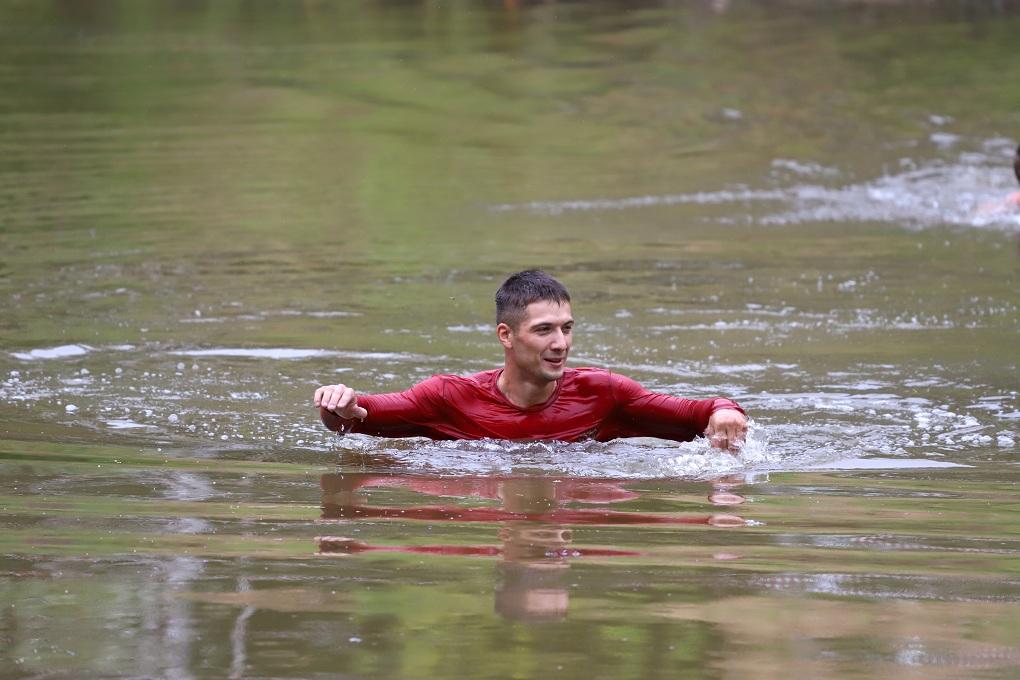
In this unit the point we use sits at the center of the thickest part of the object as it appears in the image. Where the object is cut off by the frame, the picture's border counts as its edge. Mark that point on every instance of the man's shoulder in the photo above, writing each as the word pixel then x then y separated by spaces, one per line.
pixel 483 379
pixel 442 387
pixel 587 378
pixel 587 373
pixel 605 381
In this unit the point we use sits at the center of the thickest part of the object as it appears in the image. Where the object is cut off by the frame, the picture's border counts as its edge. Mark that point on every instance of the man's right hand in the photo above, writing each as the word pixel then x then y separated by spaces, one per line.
pixel 341 400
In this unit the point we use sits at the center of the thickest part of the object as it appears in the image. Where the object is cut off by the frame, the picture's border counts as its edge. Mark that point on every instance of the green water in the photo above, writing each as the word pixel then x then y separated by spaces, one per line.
pixel 207 209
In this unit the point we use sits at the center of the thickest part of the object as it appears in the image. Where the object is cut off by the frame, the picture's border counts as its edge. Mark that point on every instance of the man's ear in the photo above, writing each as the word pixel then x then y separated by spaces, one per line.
pixel 505 335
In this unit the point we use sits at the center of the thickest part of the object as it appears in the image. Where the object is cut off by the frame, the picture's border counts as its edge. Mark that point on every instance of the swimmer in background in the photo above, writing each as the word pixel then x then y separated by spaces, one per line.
pixel 534 396
pixel 1012 201
pixel 1014 198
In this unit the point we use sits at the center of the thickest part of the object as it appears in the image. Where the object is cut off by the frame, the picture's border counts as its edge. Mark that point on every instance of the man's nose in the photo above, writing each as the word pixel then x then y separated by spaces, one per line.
pixel 559 340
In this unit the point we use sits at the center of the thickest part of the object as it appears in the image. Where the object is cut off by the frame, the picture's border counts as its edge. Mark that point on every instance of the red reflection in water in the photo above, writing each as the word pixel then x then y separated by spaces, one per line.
pixel 341 545
pixel 534 499
pixel 535 535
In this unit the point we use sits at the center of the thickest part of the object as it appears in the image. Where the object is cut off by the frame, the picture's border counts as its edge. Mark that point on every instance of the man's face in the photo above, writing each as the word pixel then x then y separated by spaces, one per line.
pixel 539 346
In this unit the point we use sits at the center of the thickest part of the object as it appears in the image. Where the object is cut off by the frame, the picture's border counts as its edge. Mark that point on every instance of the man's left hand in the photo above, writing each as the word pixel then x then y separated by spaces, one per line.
pixel 726 429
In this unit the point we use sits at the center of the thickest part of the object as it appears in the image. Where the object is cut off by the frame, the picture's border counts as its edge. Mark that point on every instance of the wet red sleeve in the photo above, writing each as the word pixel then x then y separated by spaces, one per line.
pixel 396 414
pixel 649 414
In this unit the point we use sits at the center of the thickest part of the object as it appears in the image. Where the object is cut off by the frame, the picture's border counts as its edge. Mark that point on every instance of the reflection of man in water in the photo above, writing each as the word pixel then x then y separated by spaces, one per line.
pixel 531 583
pixel 534 552
pixel 536 535
pixel 534 395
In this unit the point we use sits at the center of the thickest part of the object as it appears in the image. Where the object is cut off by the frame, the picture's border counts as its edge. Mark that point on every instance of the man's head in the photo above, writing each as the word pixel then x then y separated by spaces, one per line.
pixel 522 289
pixel 535 326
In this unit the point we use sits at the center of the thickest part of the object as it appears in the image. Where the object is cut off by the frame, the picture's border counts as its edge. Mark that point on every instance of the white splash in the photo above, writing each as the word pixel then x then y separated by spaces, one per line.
pixel 60 352
pixel 967 189
pixel 290 353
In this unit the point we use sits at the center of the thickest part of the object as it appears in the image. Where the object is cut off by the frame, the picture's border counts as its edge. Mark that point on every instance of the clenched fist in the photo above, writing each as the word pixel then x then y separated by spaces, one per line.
pixel 726 429
pixel 341 400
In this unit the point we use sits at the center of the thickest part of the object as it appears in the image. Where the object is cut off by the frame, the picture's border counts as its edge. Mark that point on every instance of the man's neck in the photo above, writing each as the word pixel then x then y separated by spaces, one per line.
pixel 523 393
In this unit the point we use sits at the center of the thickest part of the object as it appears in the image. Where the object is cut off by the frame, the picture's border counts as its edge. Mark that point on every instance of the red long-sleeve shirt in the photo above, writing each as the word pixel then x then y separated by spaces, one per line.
pixel 589 403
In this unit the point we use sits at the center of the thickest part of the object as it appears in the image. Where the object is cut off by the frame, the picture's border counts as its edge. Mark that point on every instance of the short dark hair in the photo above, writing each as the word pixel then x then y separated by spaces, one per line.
pixel 523 288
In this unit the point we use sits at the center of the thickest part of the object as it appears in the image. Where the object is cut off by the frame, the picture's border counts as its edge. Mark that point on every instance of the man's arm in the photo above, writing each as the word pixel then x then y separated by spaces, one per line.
pixel 411 413
pixel 661 415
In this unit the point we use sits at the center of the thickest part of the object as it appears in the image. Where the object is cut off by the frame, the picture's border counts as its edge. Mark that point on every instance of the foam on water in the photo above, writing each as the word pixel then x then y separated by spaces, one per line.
pixel 60 352
pixel 470 328
pixel 635 458
pixel 285 353
pixel 778 323
pixel 883 464
pixel 967 189
pixel 124 424
pixel 256 353
pixel 937 193
pixel 701 198
pixel 877 586
pixel 873 416
pixel 199 318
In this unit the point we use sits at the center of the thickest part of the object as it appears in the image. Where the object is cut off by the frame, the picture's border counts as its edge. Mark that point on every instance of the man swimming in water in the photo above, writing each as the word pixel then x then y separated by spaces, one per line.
pixel 1014 197
pixel 1009 204
pixel 534 396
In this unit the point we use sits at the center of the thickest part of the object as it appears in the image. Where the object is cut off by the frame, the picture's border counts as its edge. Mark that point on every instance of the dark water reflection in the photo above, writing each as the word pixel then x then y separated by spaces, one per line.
pixel 372 571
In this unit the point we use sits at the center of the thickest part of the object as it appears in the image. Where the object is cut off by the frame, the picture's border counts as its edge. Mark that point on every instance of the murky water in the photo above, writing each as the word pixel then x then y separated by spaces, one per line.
pixel 208 209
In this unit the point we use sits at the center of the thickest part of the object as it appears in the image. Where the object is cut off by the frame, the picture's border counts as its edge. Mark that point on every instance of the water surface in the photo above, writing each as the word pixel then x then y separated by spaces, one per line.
pixel 208 209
